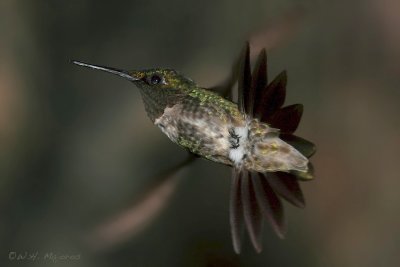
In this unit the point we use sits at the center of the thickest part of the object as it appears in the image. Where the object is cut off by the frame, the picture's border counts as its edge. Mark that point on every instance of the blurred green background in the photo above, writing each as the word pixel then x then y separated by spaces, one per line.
pixel 77 148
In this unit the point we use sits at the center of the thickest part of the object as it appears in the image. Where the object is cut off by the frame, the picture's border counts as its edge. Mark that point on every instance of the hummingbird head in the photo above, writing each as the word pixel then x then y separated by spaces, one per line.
pixel 160 88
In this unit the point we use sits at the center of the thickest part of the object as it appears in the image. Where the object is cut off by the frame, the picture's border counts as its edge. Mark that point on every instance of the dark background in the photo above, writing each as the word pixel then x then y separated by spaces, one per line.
pixel 76 147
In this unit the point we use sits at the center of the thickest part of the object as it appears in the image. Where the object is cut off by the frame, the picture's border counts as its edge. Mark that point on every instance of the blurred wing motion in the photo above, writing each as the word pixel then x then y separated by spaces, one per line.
pixel 277 32
pixel 271 34
pixel 255 196
pixel 129 222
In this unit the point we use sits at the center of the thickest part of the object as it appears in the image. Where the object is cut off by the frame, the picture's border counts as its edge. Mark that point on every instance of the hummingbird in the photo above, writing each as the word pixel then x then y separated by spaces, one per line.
pixel 240 135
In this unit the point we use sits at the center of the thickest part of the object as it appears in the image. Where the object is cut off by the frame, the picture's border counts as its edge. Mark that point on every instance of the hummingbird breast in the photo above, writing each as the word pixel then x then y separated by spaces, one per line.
pixel 203 128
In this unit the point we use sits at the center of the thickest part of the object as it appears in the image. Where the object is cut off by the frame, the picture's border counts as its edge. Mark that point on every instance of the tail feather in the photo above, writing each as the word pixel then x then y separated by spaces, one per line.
pixel 251 211
pixel 287 186
pixel 236 210
pixel 304 146
pixel 270 204
pixel 305 176
pixel 253 198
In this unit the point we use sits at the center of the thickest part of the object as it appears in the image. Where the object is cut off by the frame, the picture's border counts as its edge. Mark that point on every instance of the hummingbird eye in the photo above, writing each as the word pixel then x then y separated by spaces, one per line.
pixel 154 79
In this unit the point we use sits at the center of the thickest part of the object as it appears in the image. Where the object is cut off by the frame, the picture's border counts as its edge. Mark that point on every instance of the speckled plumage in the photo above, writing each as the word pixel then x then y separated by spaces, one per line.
pixel 204 123
pixel 201 125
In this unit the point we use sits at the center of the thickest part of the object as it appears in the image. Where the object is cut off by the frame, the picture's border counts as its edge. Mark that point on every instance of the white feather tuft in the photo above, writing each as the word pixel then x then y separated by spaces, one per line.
pixel 237 154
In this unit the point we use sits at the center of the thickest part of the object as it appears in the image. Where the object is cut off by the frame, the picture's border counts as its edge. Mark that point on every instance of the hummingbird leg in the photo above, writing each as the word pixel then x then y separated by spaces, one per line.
pixel 234 139
pixel 238 144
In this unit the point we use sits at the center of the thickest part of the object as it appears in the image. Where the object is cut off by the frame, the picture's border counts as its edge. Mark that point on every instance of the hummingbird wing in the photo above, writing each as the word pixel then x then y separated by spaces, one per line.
pixel 245 89
pixel 134 219
pixel 226 87
pixel 240 72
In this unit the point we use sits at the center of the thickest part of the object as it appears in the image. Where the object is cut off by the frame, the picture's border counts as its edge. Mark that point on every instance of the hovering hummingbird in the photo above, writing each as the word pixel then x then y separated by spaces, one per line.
pixel 253 136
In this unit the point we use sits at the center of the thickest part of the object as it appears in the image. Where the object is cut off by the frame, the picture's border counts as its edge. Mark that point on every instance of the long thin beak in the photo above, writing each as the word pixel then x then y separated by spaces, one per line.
pixel 122 73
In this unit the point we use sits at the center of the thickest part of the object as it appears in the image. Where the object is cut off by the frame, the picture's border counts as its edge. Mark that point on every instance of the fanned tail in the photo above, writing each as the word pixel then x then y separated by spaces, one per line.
pixel 255 194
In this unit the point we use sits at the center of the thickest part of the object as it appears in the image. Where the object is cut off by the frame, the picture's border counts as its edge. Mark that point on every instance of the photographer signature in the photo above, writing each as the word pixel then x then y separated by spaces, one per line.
pixel 48 256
